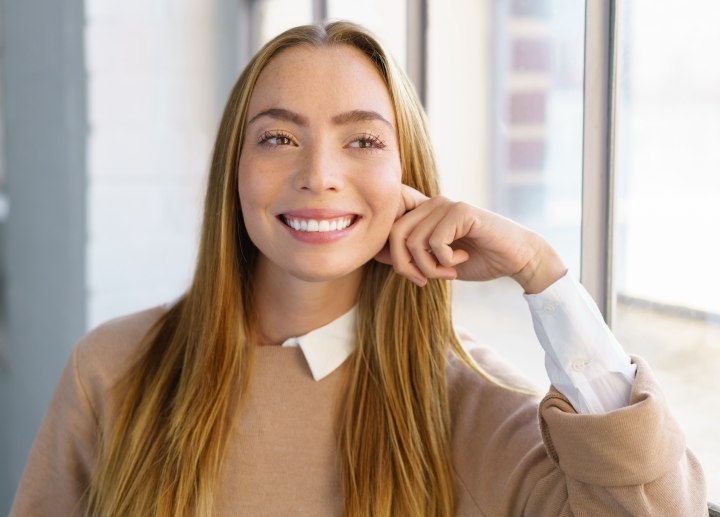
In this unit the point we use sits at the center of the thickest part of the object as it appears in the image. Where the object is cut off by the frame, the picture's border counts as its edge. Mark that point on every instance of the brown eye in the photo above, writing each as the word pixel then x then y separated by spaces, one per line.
pixel 279 140
pixel 275 139
pixel 367 141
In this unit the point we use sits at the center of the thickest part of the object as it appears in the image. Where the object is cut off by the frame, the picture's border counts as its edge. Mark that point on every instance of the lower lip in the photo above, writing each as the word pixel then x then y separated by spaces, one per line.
pixel 320 237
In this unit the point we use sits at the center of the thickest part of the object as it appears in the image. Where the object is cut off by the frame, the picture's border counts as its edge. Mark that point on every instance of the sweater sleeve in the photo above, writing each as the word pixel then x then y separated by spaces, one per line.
pixel 63 454
pixel 513 457
pixel 632 461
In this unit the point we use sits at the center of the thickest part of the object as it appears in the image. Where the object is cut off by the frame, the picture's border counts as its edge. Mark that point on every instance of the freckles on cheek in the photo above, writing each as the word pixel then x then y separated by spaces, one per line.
pixel 248 184
pixel 247 200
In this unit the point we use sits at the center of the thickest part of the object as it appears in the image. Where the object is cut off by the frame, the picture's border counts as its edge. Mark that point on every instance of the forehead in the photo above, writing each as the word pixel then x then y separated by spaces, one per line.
pixel 321 80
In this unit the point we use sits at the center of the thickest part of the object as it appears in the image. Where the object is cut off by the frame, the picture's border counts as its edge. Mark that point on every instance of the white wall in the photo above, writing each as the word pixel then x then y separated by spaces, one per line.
pixel 151 91
pixel 459 97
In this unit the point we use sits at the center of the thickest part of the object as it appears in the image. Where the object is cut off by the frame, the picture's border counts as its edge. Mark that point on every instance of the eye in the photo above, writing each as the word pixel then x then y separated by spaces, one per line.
pixel 367 141
pixel 276 138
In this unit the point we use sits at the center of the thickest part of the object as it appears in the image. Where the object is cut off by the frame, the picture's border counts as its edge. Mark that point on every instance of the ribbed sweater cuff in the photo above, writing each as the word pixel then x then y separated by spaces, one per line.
pixel 606 449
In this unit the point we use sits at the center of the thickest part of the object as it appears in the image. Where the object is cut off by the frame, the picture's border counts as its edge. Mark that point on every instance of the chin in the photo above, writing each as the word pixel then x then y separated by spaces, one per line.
pixel 324 274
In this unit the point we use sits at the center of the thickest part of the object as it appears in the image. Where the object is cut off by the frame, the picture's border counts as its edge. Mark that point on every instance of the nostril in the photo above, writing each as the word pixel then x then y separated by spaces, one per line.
pixel 318 179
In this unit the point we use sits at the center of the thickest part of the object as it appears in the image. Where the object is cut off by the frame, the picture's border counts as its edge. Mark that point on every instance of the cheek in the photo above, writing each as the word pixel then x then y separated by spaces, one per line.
pixel 245 196
pixel 256 226
pixel 250 193
pixel 252 181
pixel 386 197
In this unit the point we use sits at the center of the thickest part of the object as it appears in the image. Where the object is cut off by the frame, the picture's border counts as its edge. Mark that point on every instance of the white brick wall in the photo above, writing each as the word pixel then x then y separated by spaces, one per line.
pixel 151 86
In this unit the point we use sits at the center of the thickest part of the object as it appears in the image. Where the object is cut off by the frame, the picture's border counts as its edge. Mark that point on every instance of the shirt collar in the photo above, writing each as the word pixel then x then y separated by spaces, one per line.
pixel 327 347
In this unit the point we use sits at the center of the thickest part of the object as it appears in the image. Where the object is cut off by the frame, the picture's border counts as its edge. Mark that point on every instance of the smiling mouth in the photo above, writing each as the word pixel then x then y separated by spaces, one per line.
pixel 302 224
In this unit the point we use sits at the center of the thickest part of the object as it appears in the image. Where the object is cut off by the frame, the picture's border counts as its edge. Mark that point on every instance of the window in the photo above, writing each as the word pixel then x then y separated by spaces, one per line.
pixel 508 134
pixel 667 249
pixel 511 133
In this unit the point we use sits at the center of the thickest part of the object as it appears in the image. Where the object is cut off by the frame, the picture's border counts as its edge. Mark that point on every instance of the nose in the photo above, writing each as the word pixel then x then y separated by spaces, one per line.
pixel 320 171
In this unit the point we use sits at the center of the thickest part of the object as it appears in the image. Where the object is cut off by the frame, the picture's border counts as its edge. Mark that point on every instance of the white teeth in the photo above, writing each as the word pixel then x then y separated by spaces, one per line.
pixel 322 225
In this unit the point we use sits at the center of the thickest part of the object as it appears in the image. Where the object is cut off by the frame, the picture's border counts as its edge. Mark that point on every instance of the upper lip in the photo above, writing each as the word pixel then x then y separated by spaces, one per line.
pixel 317 213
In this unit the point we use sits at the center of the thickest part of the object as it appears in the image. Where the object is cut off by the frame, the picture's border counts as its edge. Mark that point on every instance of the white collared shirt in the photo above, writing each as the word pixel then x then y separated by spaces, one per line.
pixel 322 358
pixel 583 359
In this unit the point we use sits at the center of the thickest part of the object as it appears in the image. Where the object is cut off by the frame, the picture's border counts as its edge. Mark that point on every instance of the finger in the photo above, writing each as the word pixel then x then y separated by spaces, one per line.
pixel 409 271
pixel 410 199
pixel 409 247
pixel 401 258
pixel 428 264
pixel 430 267
pixel 448 256
pixel 403 263
pixel 456 224
pixel 422 253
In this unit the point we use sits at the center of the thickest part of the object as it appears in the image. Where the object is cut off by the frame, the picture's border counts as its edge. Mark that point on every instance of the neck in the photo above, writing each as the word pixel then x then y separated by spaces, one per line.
pixel 288 306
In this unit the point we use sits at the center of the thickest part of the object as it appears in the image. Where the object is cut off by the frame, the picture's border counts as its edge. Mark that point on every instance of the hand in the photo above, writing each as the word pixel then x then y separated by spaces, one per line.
pixel 440 238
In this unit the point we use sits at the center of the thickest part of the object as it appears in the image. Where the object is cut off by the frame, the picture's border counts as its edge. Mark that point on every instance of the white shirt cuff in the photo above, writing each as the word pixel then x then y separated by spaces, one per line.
pixel 583 359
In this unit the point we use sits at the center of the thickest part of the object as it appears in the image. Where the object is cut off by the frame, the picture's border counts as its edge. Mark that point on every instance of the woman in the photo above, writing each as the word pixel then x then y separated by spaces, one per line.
pixel 323 229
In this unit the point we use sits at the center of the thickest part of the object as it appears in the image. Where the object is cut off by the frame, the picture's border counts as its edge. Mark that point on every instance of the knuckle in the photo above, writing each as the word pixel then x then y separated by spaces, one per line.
pixel 436 242
pixel 445 259
pixel 460 206
pixel 413 241
pixel 396 234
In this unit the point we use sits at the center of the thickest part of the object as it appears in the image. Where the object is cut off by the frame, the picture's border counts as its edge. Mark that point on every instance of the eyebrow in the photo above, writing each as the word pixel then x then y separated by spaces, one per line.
pixel 359 116
pixel 348 117
pixel 281 114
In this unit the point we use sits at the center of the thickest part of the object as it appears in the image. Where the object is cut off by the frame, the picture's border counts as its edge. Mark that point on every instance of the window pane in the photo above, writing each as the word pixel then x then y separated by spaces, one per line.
pixel 505 107
pixel 668 209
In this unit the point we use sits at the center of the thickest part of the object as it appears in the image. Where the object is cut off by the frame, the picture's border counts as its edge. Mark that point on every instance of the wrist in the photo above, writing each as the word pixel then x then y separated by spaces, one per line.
pixel 544 269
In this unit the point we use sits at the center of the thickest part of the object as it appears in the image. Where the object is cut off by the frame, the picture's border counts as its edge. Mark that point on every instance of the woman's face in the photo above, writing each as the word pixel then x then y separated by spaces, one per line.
pixel 319 175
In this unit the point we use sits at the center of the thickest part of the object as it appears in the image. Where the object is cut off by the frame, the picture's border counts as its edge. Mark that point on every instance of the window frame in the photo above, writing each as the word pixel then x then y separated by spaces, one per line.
pixel 603 27
pixel 598 171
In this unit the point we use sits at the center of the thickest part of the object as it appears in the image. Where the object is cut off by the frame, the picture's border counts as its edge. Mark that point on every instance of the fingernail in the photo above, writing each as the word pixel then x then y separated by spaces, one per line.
pixel 419 281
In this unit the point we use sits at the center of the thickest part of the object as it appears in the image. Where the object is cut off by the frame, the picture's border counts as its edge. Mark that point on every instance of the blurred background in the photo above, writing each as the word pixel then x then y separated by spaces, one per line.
pixel 107 117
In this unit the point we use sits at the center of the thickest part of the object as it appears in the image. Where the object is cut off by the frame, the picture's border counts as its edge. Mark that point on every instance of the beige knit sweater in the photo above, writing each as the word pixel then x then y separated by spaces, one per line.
pixel 282 462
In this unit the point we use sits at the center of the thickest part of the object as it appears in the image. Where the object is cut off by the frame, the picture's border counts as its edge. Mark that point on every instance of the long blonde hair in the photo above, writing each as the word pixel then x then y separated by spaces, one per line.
pixel 163 454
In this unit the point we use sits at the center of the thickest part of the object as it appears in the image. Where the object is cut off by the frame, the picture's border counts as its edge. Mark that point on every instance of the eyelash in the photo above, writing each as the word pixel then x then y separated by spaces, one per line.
pixel 374 141
pixel 376 144
pixel 265 138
